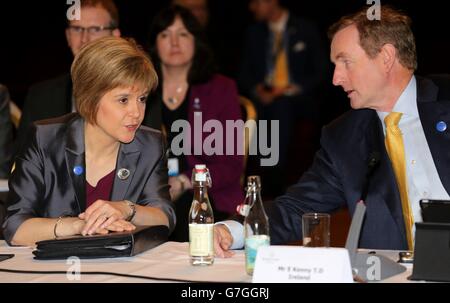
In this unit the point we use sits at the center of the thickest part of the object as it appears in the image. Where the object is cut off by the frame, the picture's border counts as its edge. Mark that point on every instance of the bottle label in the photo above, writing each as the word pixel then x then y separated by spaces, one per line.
pixel 252 243
pixel 201 239
pixel 243 209
pixel 200 177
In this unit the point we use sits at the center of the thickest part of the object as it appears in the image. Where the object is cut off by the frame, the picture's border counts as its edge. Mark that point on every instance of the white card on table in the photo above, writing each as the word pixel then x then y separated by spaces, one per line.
pixel 294 264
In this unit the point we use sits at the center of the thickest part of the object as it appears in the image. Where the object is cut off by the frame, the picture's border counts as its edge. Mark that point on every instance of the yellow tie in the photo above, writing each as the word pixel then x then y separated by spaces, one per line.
pixel 280 70
pixel 396 151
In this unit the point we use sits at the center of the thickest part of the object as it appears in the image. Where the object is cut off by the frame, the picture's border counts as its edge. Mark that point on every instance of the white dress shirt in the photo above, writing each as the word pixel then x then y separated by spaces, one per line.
pixel 422 176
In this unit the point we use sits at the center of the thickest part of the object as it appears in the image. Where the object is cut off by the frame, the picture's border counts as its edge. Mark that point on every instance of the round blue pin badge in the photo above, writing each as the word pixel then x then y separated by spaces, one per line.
pixel 78 170
pixel 441 126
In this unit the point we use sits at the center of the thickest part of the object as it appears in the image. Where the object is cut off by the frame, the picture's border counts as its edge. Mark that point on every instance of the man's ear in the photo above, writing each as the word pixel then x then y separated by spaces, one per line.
pixel 116 32
pixel 388 55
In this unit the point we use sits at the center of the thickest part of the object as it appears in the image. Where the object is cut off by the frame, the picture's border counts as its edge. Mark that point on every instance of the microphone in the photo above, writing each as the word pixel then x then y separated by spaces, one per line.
pixel 372 164
pixel 360 261
pixel 360 210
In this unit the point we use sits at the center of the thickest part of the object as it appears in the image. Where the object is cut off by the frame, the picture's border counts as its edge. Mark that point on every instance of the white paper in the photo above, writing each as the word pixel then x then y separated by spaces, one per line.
pixel 293 264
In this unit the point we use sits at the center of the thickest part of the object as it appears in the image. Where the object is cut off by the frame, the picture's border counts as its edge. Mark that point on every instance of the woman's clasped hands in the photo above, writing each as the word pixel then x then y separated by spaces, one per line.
pixel 103 217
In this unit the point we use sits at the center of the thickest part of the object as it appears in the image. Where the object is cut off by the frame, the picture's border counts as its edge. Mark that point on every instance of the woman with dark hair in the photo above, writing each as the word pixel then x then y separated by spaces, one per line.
pixel 190 90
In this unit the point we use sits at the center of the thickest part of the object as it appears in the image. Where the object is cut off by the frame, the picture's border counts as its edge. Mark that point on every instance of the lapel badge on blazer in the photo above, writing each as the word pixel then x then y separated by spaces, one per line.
pixel 299 46
pixel 123 174
pixel 78 170
pixel 196 103
pixel 441 126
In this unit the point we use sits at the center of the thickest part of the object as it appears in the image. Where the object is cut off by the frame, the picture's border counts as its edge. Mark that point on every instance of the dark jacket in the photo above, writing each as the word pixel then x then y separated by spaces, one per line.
pixel 48 99
pixel 338 173
pixel 306 56
pixel 45 185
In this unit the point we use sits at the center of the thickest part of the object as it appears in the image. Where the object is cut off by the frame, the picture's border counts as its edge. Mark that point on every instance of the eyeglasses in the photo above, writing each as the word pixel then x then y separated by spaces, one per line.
pixel 91 30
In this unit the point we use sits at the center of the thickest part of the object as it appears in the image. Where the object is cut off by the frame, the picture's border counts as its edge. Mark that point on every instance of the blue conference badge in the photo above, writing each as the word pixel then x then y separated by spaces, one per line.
pixel 78 170
pixel 441 126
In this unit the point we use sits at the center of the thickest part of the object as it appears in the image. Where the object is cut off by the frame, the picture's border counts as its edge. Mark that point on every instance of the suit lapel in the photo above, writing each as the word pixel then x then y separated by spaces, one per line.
pixel 383 185
pixel 128 158
pixel 75 161
pixel 432 112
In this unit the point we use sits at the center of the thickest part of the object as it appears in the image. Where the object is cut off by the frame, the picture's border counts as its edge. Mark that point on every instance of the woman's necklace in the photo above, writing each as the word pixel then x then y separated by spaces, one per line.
pixel 175 99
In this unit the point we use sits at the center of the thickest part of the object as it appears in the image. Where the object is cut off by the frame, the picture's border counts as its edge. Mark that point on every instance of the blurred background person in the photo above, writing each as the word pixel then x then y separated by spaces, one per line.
pixel 198 8
pixel 96 170
pixel 53 97
pixel 189 86
pixel 220 38
pixel 6 133
pixel 6 138
pixel 283 63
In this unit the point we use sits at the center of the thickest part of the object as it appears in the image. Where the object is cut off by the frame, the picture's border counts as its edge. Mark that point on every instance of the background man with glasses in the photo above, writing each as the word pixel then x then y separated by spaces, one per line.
pixel 52 98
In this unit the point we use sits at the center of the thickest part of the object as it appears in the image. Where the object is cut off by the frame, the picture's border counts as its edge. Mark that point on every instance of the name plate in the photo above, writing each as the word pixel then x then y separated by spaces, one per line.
pixel 290 264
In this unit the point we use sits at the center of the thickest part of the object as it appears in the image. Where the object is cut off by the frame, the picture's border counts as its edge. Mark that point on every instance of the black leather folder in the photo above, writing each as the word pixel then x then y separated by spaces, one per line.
pixel 113 245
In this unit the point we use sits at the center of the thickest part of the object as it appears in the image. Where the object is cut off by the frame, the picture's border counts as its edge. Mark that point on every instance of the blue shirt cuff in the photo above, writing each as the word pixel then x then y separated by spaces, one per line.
pixel 237 232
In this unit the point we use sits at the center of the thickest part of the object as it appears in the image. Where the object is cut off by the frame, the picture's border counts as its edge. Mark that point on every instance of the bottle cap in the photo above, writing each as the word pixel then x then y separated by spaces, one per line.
pixel 253 182
pixel 200 166
pixel 201 174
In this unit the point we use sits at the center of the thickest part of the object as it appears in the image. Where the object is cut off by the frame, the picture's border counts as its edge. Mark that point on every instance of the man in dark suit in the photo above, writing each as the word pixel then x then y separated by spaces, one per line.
pixel 282 66
pixel 401 117
pixel 6 135
pixel 6 138
pixel 52 98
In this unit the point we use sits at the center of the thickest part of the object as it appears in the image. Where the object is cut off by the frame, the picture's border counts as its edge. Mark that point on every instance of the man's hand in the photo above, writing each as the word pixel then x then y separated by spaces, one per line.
pixel 178 185
pixel 176 188
pixel 222 241
pixel 265 95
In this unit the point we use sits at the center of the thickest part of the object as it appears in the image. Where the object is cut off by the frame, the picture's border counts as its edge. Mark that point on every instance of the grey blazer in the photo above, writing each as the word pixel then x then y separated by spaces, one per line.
pixel 44 183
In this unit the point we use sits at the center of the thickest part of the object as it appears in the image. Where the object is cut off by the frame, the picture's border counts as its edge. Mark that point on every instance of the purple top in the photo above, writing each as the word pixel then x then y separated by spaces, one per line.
pixel 101 191
pixel 217 99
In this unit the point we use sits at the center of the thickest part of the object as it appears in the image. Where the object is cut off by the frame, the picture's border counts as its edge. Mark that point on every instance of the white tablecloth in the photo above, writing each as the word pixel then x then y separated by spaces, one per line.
pixel 167 261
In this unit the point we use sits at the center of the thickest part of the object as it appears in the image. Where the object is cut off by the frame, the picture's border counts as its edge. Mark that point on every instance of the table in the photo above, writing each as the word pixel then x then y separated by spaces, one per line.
pixel 401 278
pixel 167 261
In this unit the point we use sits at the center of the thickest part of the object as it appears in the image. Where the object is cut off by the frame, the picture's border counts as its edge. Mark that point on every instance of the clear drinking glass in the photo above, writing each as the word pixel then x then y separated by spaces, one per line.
pixel 316 229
